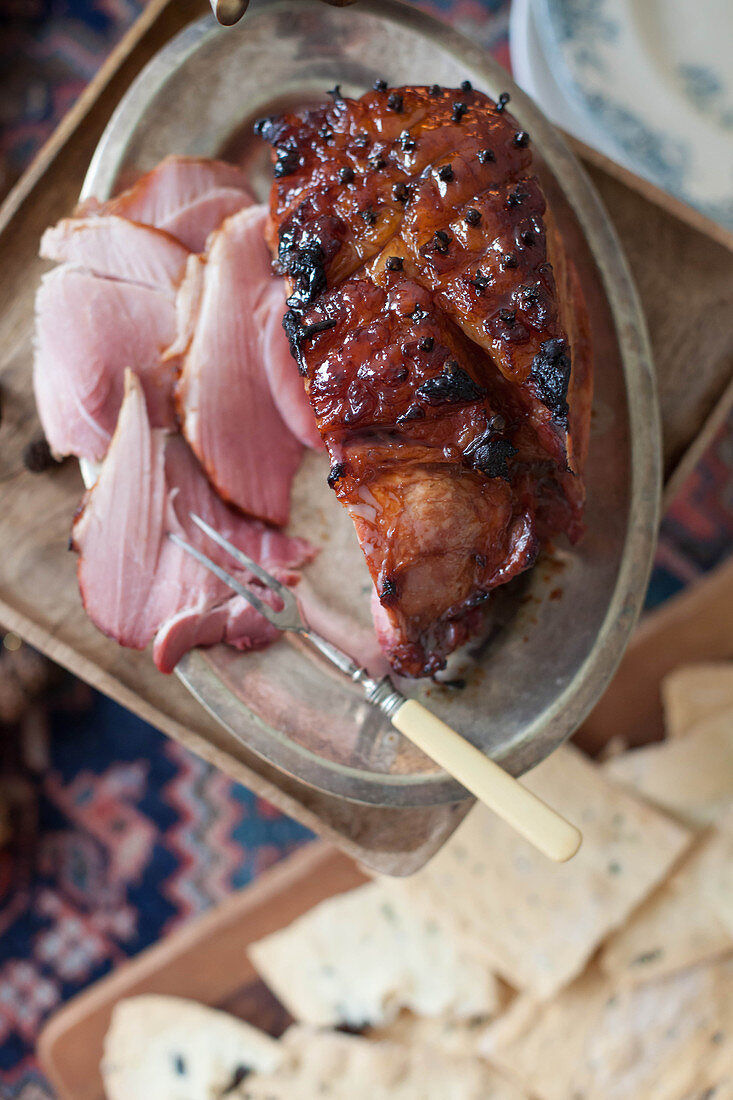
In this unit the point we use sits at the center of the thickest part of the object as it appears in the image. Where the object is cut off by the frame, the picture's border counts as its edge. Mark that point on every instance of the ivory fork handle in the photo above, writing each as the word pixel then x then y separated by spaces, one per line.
pixel 532 818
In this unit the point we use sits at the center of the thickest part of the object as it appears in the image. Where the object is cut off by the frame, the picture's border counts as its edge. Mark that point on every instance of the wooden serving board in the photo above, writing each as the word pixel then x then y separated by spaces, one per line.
pixel 696 626
pixel 206 961
pixel 684 270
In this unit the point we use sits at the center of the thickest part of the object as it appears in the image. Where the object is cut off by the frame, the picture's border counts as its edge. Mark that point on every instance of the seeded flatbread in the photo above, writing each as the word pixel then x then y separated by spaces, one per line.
pixel 537 923
pixel 443 1033
pixel 666 1040
pixel 695 692
pixel 167 1048
pixel 360 957
pixel 679 925
pixel 718 884
pixel 690 778
pixel 347 1067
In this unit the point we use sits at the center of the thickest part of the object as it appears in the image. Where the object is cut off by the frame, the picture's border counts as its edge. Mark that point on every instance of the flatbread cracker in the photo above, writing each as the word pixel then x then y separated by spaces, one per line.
pixel 667 1040
pixel 537 923
pixel 444 1033
pixel 167 1048
pixel 330 1064
pixel 695 692
pixel 679 925
pixel 718 883
pixel 360 957
pixel 691 778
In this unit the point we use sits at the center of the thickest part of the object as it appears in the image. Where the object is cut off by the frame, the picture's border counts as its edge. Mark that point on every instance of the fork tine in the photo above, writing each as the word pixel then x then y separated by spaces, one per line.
pixel 264 609
pixel 244 559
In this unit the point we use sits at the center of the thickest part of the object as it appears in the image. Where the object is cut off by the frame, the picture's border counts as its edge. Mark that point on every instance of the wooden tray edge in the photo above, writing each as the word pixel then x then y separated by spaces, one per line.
pixel 153 969
pixel 650 191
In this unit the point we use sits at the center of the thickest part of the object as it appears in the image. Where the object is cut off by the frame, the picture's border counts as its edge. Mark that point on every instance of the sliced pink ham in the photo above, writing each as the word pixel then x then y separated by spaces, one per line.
pixel 88 330
pixel 226 409
pixel 191 492
pixel 136 584
pixel 286 384
pixel 193 223
pixel 163 193
pixel 116 248
pixel 234 621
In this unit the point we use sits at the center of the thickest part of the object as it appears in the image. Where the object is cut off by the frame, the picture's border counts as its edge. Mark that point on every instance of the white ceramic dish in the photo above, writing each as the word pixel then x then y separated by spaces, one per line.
pixel 653 81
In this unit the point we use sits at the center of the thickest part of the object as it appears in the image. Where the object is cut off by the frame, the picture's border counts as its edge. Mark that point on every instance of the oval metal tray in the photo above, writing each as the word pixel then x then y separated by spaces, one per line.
pixel 556 634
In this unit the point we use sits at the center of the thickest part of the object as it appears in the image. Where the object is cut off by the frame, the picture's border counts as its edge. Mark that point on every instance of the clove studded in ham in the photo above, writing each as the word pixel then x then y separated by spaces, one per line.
pixel 136 584
pixel 88 330
pixel 226 409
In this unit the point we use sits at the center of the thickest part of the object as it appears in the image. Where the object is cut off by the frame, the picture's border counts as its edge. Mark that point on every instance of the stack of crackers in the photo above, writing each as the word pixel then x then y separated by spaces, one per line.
pixel 493 974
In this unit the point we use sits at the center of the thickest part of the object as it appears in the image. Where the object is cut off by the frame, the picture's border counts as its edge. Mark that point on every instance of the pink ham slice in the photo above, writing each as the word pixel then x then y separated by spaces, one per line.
pixel 116 248
pixel 88 330
pixel 163 193
pixel 224 402
pixel 136 584
pixel 193 223
pixel 234 621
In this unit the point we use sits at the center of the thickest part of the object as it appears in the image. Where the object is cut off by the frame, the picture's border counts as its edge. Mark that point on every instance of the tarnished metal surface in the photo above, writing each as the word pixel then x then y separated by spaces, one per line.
pixel 556 634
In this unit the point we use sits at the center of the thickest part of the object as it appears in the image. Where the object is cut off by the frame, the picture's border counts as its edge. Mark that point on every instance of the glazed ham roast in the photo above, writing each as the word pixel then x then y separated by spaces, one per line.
pixel 427 326
pixel 440 331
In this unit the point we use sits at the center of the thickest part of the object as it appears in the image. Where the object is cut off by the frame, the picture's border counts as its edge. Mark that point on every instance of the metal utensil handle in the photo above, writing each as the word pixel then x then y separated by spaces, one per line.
pixel 524 811
pixel 229 12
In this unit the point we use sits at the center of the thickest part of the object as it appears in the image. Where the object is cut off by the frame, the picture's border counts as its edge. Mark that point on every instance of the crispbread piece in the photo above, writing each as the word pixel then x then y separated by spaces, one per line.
pixel 443 1033
pixel 327 1063
pixel 718 885
pixel 691 778
pixel 537 923
pixel 167 1048
pixel 359 957
pixel 695 692
pixel 680 924
pixel 667 1040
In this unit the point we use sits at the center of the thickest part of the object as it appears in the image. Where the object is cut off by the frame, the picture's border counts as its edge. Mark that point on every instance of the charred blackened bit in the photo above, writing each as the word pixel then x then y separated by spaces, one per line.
pixel 297 334
pixel 551 375
pixel 414 412
pixel 307 331
pixel 336 472
pixel 306 267
pixel 291 324
pixel 453 386
pixel 388 591
pixel 490 453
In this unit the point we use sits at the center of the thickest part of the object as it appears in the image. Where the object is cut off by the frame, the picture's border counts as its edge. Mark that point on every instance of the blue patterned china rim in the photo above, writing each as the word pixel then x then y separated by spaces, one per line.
pixel 655 78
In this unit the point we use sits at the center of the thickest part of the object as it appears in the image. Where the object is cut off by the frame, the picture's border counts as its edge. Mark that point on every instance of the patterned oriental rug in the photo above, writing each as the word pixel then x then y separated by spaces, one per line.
pixel 110 834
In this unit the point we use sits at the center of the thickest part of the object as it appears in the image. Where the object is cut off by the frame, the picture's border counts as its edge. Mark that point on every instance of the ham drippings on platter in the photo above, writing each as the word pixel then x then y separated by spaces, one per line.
pixel 440 330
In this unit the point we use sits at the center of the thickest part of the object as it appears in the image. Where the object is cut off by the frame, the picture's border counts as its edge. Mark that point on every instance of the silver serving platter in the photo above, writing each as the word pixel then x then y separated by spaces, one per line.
pixel 557 634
